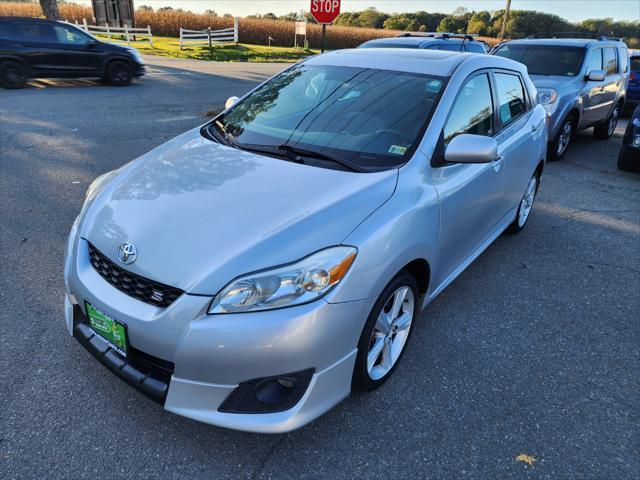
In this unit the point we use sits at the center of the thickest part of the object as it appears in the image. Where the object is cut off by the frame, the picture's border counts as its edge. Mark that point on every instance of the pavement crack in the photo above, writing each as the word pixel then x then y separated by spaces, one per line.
pixel 266 458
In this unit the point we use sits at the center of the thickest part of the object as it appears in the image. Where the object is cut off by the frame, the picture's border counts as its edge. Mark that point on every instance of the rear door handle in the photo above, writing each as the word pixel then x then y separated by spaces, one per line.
pixel 537 127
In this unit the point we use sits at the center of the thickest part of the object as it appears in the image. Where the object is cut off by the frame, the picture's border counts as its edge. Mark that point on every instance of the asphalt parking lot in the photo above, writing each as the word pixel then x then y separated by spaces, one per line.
pixel 534 350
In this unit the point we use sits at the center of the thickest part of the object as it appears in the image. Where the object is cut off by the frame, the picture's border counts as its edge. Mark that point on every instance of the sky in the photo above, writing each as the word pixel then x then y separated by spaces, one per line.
pixel 572 10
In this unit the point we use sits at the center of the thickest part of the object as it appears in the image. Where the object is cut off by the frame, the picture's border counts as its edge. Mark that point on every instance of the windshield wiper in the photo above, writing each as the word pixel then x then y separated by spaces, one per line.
pixel 302 152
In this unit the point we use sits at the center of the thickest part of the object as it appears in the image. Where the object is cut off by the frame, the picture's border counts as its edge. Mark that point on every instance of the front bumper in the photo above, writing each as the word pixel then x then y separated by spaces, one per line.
pixel 212 354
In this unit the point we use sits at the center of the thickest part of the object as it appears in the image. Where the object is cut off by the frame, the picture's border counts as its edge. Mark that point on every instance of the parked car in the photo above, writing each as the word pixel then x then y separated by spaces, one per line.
pixel 633 92
pixel 582 82
pixel 36 48
pixel 248 273
pixel 431 41
pixel 629 156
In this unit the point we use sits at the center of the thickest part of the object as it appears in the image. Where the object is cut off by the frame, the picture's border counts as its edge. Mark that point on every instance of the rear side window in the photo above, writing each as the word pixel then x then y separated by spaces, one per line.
pixel 511 98
pixel 594 61
pixel 610 60
pixel 9 31
pixel 472 111
pixel 624 60
pixel 29 32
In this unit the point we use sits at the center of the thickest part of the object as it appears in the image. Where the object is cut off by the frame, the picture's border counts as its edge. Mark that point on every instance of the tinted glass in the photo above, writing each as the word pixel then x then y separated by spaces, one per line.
pixel 472 111
pixel 474 47
pixel 70 35
pixel 594 61
pixel 511 99
pixel 31 32
pixel 367 117
pixel 545 59
pixel 635 64
pixel 388 45
pixel 610 60
pixel 451 46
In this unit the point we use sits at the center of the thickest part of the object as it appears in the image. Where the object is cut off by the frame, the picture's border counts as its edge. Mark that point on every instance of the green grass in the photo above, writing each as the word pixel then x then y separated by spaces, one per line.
pixel 170 47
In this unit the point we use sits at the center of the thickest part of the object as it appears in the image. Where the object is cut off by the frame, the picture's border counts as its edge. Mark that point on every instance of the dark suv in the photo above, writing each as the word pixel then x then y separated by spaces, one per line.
pixel 34 48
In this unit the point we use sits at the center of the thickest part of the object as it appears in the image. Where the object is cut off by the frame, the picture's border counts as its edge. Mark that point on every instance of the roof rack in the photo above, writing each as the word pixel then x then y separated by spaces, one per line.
pixel 439 35
pixel 594 36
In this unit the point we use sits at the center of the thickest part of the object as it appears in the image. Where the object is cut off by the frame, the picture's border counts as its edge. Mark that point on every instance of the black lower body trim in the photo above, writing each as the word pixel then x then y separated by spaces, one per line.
pixel 145 373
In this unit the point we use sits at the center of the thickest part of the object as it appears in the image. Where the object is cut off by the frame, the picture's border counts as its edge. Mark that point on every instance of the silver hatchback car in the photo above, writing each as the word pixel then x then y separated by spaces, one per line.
pixel 250 273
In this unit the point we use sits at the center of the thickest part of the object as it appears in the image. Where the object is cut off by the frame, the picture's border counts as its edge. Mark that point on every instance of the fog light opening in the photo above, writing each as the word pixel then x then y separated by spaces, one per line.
pixel 275 390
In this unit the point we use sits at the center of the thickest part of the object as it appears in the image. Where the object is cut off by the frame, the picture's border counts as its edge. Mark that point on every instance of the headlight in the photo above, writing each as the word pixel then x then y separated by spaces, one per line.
pixel 547 96
pixel 294 284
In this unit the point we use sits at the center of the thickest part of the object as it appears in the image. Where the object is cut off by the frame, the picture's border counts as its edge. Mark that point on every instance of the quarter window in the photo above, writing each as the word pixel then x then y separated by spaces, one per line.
pixel 610 60
pixel 511 99
pixel 472 111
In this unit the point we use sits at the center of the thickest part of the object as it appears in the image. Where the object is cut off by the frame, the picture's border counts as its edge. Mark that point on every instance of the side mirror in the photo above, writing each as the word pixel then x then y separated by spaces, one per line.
pixel 596 75
pixel 231 101
pixel 467 148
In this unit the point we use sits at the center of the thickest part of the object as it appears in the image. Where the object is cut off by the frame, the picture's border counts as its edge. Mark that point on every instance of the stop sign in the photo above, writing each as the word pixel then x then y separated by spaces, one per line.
pixel 325 11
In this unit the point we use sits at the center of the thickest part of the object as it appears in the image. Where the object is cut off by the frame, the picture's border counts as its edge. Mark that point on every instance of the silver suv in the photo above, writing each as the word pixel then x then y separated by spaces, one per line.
pixel 581 82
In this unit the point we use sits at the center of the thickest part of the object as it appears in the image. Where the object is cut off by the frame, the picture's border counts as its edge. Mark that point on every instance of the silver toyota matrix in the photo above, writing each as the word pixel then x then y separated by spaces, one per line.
pixel 252 272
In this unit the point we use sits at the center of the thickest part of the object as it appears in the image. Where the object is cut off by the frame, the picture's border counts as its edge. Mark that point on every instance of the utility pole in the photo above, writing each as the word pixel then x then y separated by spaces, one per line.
pixel 504 20
pixel 50 9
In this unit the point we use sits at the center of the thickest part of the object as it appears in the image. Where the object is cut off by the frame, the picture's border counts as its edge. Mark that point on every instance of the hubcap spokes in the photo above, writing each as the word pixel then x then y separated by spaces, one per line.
pixel 390 333
pixel 565 138
pixel 527 202
pixel 613 122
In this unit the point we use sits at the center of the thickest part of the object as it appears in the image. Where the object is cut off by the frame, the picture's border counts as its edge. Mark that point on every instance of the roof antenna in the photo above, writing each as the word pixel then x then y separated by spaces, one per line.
pixel 466 29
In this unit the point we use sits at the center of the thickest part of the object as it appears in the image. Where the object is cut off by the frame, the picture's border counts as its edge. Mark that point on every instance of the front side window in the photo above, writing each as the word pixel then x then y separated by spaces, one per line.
pixel 545 59
pixel 511 98
pixel 70 36
pixel 594 61
pixel 610 60
pixel 472 111
pixel 367 117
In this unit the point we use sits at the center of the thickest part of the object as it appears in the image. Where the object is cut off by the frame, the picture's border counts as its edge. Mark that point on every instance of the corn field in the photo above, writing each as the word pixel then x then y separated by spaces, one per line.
pixel 252 31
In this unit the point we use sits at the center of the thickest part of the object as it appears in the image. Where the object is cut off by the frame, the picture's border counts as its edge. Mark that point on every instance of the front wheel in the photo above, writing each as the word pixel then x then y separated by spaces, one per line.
pixel 606 129
pixel 386 333
pixel 119 73
pixel 559 145
pixel 526 204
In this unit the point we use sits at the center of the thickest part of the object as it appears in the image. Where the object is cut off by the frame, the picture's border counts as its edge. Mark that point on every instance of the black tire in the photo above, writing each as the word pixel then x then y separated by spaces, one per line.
pixel 627 162
pixel 361 378
pixel 557 147
pixel 517 225
pixel 604 130
pixel 119 73
pixel 12 75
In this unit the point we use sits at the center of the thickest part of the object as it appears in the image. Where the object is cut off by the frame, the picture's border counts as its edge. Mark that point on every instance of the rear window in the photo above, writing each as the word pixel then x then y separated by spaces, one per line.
pixel 388 45
pixel 545 59
pixel 635 64
pixel 451 46
pixel 474 48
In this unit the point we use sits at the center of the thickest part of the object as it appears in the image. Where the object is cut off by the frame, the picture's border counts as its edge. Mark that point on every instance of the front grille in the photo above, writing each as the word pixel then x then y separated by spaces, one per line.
pixel 143 289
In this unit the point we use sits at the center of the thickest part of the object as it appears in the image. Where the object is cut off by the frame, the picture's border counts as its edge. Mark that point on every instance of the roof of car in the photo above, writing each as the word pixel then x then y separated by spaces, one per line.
pixel 431 62
pixel 415 41
pixel 565 42
pixel 27 19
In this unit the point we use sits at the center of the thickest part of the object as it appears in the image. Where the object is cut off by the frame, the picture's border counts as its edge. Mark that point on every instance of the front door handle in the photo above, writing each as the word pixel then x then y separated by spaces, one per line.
pixel 497 163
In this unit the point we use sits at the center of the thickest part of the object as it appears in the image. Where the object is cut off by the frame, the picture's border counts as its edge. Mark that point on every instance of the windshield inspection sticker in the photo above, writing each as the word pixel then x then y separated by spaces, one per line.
pixel 397 150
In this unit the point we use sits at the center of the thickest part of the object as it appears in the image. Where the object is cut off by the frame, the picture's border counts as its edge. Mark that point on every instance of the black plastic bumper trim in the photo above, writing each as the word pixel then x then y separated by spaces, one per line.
pixel 138 369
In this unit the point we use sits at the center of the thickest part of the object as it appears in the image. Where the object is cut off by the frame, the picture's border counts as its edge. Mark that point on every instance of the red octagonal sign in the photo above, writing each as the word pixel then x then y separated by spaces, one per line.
pixel 325 11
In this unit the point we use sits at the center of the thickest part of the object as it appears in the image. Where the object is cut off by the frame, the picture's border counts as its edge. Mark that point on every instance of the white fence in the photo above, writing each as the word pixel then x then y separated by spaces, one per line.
pixel 209 37
pixel 131 34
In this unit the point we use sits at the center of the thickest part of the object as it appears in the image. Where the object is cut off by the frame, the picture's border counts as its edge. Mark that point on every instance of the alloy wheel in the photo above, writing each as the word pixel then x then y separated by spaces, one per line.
pixel 564 138
pixel 390 333
pixel 527 202
pixel 613 121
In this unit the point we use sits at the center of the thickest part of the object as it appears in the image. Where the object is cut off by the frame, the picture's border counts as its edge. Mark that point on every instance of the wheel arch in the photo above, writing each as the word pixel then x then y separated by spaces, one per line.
pixel 15 58
pixel 421 271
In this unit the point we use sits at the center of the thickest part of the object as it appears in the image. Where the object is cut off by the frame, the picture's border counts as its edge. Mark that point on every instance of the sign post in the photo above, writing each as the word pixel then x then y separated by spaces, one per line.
pixel 325 12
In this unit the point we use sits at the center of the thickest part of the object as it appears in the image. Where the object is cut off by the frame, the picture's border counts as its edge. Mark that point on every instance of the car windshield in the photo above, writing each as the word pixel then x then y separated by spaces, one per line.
pixel 367 118
pixel 565 61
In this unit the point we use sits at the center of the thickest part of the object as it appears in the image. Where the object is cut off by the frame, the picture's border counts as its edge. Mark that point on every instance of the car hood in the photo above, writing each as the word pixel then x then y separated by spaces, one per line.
pixel 201 214
pixel 549 81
